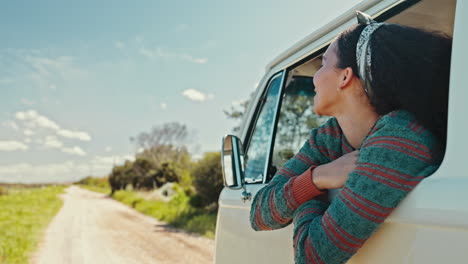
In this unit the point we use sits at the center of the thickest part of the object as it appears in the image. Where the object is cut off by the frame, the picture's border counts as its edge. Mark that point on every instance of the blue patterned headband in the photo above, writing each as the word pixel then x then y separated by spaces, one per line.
pixel 363 49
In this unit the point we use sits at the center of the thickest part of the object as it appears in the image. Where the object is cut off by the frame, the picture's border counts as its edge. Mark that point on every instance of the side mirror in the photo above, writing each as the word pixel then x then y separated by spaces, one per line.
pixel 232 160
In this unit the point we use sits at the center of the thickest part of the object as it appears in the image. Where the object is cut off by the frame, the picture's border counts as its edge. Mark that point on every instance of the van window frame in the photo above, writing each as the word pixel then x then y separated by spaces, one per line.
pixel 255 116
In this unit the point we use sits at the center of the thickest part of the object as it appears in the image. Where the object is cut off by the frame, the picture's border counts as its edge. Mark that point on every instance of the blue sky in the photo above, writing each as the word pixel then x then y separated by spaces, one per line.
pixel 79 78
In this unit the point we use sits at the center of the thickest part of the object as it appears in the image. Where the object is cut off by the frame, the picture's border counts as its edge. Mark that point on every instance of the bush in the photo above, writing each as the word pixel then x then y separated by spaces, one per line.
pixel 207 178
pixel 3 191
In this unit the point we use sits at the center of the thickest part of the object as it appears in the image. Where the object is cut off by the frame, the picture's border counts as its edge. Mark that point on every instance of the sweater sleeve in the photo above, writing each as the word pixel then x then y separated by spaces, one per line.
pixel 274 205
pixel 389 166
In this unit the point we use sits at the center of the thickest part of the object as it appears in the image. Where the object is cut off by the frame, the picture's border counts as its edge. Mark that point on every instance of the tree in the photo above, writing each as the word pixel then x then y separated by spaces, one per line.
pixel 143 170
pixel 207 177
pixel 168 134
pixel 121 176
pixel 237 113
pixel 164 143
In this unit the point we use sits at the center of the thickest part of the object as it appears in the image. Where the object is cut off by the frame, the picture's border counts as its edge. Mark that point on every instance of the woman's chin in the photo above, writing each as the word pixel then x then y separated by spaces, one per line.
pixel 317 110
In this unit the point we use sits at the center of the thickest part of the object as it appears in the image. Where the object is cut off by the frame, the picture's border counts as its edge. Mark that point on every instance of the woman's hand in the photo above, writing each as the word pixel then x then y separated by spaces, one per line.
pixel 334 174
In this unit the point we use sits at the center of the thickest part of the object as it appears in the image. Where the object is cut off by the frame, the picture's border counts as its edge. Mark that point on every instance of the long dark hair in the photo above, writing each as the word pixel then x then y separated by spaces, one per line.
pixel 410 70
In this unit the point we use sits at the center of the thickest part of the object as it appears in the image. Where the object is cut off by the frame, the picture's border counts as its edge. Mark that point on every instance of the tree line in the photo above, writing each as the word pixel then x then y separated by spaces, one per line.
pixel 164 158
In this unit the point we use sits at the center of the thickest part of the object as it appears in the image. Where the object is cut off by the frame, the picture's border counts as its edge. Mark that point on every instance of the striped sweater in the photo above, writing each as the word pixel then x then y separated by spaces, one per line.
pixel 396 155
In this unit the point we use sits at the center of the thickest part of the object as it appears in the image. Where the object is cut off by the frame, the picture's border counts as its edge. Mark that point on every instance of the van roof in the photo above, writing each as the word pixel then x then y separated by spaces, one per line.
pixel 320 32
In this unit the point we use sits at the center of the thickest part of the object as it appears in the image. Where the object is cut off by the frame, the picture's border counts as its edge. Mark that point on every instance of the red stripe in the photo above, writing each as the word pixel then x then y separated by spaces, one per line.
pixel 336 238
pixel 330 131
pixel 287 192
pixel 308 254
pixel 388 183
pixel 314 252
pixel 389 170
pixel 357 241
pixel 390 177
pixel 286 171
pixel 298 235
pixel 258 218
pixel 274 212
pixel 345 146
pixel 364 207
pixel 305 158
pixel 410 142
pixel 328 152
pixel 402 145
pixel 350 206
pixel 308 211
pixel 312 142
pixel 369 202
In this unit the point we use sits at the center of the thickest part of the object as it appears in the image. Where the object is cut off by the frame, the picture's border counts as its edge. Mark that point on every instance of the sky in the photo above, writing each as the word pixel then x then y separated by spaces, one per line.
pixel 79 78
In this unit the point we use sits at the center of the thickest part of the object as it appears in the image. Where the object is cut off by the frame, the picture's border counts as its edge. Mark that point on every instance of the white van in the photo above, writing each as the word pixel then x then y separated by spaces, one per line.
pixel 429 226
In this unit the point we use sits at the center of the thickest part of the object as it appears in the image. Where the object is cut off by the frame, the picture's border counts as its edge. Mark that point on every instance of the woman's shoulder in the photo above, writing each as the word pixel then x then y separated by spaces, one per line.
pixel 403 124
pixel 330 128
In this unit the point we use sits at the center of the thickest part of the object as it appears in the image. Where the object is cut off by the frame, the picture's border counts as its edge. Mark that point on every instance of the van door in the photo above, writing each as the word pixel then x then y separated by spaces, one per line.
pixel 235 239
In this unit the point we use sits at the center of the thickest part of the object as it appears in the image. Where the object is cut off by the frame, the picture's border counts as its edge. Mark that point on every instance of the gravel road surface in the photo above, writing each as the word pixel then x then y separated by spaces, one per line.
pixel 92 228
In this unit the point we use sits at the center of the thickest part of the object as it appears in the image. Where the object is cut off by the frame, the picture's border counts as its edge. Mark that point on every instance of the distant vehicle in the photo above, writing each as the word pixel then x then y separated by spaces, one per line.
pixel 429 226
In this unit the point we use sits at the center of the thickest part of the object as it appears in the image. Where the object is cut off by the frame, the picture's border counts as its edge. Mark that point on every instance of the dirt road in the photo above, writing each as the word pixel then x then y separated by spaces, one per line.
pixel 92 228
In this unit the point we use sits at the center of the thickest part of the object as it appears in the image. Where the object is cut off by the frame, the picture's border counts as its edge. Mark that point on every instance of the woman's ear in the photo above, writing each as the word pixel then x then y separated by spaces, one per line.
pixel 347 76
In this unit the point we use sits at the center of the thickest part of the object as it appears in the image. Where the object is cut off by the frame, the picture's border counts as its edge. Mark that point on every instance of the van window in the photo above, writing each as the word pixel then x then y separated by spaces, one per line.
pixel 296 117
pixel 260 142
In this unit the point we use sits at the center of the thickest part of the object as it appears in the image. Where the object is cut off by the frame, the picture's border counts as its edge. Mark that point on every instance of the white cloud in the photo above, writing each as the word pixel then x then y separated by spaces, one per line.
pixel 28 132
pixel 182 27
pixel 27 101
pixel 163 106
pixel 147 53
pixel 26 172
pixel 52 142
pixel 119 44
pixel 159 52
pixel 12 146
pixel 60 172
pixel 237 102
pixel 139 39
pixel 11 125
pixel 111 160
pixel 108 149
pixel 6 81
pixel 47 72
pixel 194 60
pixel 28 140
pixel 83 136
pixel 33 119
pixel 74 151
pixel 195 95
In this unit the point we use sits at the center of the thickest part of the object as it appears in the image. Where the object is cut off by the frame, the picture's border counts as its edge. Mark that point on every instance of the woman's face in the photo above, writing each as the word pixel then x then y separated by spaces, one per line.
pixel 327 82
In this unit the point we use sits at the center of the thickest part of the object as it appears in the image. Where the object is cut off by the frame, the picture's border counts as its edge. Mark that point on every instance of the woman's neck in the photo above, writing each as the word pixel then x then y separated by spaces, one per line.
pixel 356 124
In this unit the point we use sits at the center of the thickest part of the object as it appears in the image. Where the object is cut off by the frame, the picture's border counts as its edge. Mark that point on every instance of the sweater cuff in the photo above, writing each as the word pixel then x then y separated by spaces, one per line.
pixel 303 188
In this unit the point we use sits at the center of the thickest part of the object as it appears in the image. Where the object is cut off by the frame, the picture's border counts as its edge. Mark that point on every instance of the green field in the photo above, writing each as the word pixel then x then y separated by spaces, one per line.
pixel 24 214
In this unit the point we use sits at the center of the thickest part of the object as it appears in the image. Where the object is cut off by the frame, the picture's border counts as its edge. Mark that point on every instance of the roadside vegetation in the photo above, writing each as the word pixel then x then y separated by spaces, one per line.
pixel 164 182
pixel 25 211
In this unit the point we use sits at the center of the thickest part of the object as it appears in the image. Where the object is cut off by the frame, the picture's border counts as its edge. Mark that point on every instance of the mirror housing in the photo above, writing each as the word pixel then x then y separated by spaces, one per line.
pixel 232 160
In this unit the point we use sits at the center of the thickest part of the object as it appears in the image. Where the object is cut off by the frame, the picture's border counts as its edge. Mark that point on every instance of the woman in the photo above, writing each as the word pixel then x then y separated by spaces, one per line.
pixel 386 86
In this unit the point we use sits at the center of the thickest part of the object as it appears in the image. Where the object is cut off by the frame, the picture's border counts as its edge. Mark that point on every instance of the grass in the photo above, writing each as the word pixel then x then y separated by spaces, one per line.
pixel 178 212
pixel 24 214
